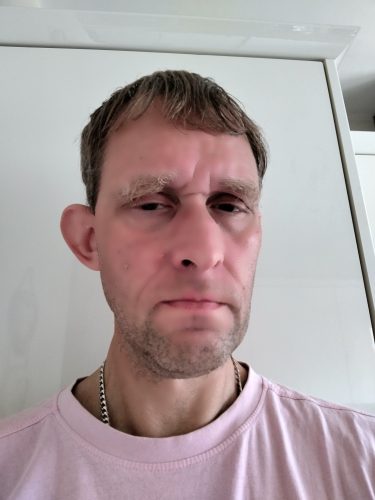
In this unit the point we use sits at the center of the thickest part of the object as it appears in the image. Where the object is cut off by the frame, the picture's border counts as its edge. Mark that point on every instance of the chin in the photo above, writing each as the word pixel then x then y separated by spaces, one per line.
pixel 187 361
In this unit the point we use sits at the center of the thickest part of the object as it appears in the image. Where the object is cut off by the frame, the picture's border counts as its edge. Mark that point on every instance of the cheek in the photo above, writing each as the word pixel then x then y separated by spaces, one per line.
pixel 128 266
pixel 115 264
pixel 254 240
pixel 243 255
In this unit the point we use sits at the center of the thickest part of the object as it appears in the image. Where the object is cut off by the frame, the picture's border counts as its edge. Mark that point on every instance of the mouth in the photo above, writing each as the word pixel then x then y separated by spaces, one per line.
pixel 201 305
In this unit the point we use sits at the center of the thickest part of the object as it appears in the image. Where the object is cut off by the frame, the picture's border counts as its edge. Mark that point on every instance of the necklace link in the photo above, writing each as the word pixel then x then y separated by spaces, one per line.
pixel 102 398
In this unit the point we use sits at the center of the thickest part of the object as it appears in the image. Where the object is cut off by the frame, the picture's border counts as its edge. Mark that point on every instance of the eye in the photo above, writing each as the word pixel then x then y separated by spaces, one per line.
pixel 151 206
pixel 230 204
pixel 229 207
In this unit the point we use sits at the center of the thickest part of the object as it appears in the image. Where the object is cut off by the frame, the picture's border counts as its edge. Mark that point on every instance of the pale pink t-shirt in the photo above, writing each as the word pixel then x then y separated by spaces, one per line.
pixel 271 444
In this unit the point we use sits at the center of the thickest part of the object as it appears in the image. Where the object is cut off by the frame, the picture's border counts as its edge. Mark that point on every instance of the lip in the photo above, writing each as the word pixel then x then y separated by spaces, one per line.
pixel 193 304
pixel 195 298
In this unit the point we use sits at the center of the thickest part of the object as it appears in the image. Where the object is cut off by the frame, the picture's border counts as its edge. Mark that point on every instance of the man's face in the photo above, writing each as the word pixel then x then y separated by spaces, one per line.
pixel 177 229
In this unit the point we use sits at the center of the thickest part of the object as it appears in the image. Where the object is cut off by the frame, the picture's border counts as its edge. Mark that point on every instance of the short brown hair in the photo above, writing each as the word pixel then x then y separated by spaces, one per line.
pixel 187 98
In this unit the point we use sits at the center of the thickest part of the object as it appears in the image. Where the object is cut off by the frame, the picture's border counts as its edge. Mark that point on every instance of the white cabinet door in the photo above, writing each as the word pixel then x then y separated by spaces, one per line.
pixel 366 171
pixel 310 325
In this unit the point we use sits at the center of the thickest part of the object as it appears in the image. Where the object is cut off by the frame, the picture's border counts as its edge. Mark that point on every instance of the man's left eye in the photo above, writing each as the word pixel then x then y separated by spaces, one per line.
pixel 231 207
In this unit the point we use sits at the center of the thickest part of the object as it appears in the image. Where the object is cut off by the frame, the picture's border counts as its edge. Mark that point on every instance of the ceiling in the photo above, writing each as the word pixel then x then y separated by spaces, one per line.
pixel 356 67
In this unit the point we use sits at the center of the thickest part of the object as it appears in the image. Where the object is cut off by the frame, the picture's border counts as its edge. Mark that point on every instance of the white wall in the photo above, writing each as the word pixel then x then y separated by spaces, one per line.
pixel 357 67
pixel 310 326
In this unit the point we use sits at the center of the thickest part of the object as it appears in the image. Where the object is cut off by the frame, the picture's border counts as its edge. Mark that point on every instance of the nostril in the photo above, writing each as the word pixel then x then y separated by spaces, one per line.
pixel 186 262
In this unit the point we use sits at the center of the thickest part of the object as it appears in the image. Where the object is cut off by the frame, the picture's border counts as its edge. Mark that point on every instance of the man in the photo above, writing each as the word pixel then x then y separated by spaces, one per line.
pixel 173 170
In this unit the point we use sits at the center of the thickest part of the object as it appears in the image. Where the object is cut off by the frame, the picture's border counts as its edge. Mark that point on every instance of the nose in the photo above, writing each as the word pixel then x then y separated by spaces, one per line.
pixel 196 240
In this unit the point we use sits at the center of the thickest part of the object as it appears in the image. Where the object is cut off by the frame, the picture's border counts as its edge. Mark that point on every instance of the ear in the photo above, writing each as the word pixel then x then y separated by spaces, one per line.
pixel 78 229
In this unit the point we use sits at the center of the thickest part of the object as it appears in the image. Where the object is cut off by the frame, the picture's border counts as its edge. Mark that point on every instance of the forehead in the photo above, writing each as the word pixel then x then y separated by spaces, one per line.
pixel 151 146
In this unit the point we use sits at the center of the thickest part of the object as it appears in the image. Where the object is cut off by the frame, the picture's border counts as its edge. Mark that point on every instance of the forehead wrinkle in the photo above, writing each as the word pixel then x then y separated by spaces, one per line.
pixel 145 184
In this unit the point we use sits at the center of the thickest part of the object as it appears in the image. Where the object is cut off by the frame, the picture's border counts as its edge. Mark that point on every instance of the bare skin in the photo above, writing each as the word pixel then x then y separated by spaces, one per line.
pixel 175 235
pixel 173 407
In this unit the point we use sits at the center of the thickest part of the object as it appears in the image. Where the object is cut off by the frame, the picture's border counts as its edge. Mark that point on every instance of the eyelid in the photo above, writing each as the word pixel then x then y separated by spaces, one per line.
pixel 151 198
pixel 231 197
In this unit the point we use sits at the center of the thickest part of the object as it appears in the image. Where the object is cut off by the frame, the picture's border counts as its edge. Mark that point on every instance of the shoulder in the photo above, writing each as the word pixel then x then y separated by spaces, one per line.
pixel 318 448
pixel 29 444
pixel 295 398
pixel 27 420
pixel 321 418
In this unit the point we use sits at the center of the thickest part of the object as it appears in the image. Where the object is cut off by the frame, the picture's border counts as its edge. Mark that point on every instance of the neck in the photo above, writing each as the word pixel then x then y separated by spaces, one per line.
pixel 142 406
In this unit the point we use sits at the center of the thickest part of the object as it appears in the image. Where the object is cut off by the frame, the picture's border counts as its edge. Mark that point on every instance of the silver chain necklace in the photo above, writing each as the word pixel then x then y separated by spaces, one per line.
pixel 103 400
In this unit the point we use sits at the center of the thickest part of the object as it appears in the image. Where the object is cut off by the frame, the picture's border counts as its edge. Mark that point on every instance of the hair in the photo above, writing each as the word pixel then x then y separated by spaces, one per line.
pixel 188 99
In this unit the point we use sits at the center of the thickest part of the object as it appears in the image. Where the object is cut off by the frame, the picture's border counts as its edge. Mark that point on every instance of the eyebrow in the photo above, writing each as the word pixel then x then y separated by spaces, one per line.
pixel 143 185
pixel 147 184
